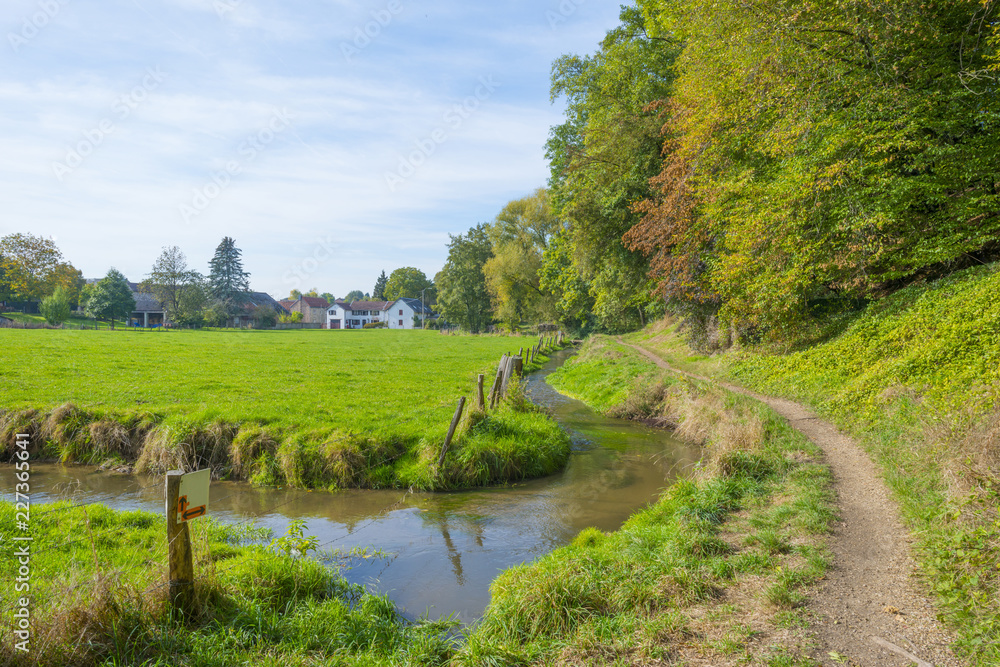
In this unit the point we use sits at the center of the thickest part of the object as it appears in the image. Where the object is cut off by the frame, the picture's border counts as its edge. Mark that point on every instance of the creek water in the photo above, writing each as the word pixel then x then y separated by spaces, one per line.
pixel 442 549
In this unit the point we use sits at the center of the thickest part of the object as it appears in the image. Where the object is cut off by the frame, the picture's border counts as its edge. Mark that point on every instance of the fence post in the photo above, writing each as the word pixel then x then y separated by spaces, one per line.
pixel 181 568
pixel 451 429
pixel 479 393
pixel 519 366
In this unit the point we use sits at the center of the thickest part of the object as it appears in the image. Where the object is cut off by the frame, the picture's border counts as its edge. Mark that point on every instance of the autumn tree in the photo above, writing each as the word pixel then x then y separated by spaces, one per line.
pixel 30 265
pixel 462 293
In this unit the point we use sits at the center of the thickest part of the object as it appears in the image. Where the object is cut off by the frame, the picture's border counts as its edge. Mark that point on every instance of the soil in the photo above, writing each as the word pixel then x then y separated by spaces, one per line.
pixel 869 610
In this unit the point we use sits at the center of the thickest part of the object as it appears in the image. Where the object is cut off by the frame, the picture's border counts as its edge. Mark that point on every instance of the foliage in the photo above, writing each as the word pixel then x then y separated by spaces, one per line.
pixel 30 264
pixel 378 292
pixel 827 151
pixel 169 280
pixel 295 316
pixel 55 308
pixel 375 325
pixel 111 298
pixel 294 542
pixel 294 295
pixel 601 159
pixel 228 283
pixel 462 293
pixel 519 235
pixel 264 317
pixel 355 295
pixel 408 282
pixel 330 298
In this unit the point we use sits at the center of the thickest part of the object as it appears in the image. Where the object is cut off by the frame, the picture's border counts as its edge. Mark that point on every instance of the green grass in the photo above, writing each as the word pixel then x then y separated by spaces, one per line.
pixel 98 598
pixel 915 377
pixel 74 321
pixel 307 408
pixel 748 527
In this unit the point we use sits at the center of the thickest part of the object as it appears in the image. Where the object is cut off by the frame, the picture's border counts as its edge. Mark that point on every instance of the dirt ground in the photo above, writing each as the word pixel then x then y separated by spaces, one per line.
pixel 868 611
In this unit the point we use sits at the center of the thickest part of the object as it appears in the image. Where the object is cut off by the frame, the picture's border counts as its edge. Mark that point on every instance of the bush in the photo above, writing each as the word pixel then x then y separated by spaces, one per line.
pixel 374 325
pixel 55 308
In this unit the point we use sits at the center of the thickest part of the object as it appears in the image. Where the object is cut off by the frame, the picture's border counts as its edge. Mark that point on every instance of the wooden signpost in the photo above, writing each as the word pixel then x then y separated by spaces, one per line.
pixel 187 499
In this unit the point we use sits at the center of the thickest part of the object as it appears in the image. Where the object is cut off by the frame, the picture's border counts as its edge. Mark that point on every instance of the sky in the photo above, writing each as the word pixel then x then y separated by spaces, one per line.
pixel 332 139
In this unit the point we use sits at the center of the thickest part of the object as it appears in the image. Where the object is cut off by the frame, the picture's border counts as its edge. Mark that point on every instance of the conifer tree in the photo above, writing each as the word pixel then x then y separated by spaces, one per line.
pixel 228 283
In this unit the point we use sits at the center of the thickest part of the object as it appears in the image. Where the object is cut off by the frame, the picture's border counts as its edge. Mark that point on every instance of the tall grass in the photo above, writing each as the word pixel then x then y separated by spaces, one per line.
pixel 98 599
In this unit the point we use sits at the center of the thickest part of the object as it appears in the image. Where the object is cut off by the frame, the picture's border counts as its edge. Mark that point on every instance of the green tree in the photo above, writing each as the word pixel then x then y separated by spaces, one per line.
pixel 294 295
pixel 462 294
pixel 354 295
pixel 264 317
pixel 601 159
pixel 519 236
pixel 192 300
pixel 29 262
pixel 228 283
pixel 55 308
pixel 409 282
pixel 312 293
pixel 111 298
pixel 169 279
pixel 378 293
pixel 329 297
pixel 560 276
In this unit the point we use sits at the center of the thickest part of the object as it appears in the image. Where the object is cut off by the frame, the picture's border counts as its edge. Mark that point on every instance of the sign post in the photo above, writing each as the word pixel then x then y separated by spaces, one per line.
pixel 187 499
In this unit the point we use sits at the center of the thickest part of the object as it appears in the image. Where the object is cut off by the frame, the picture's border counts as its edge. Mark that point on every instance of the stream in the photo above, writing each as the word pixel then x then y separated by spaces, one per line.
pixel 442 549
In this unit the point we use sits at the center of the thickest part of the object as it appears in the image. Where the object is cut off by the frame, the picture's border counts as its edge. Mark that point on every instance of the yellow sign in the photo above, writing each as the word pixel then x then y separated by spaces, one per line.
pixel 192 500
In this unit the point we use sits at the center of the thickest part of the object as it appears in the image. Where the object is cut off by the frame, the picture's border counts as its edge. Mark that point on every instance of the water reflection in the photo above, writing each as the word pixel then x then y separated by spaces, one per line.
pixel 446 547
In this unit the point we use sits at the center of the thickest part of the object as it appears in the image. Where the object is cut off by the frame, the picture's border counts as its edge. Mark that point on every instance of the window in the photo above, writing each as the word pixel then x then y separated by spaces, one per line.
pixel 401 323
pixel 400 312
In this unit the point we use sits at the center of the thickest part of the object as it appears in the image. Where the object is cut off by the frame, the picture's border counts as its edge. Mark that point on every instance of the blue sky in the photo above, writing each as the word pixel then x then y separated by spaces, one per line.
pixel 331 139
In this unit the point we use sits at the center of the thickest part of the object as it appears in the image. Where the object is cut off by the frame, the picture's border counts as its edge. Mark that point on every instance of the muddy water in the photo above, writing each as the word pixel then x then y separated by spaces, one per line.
pixel 444 549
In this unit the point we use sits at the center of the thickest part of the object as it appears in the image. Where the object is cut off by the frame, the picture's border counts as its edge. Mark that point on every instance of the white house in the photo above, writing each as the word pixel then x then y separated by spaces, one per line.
pixel 396 314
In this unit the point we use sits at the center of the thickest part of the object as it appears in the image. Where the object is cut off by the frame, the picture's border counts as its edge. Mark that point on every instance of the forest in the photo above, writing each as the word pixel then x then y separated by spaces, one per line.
pixel 752 166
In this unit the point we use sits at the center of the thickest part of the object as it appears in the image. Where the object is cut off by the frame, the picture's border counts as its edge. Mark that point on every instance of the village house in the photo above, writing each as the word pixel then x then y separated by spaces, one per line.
pixel 398 314
pixel 313 308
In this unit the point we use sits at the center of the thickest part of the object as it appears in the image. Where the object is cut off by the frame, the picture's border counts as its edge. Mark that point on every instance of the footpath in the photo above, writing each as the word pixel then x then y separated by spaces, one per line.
pixel 868 611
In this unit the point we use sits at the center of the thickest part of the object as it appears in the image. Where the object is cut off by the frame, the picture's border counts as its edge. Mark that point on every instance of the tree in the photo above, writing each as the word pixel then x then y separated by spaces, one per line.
pixel 329 297
pixel 354 295
pixel 294 295
pixel 192 301
pixel 379 292
pixel 55 308
pixel 601 159
pixel 312 293
pixel 228 283
pixel 111 298
pixel 264 317
pixel 461 284
pixel 409 282
pixel 519 235
pixel 29 262
pixel 168 280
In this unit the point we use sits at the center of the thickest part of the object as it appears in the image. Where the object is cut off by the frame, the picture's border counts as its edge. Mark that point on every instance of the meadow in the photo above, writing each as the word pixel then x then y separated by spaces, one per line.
pixel 305 408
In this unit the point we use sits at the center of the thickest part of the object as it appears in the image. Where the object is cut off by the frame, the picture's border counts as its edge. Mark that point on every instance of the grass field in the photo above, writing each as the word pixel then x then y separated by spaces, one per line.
pixel 307 408
pixel 99 597
pixel 74 322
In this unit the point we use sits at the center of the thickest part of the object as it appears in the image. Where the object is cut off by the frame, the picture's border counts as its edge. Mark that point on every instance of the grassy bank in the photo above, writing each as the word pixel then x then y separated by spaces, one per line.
pixel 313 409
pixel 712 571
pixel 916 379
pixel 98 597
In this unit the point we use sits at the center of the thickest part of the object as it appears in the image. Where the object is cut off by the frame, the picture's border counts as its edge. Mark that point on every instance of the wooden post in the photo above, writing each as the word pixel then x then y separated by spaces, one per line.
pixel 451 429
pixel 181 568
pixel 520 352
pixel 500 367
pixel 479 393
pixel 519 366
pixel 495 391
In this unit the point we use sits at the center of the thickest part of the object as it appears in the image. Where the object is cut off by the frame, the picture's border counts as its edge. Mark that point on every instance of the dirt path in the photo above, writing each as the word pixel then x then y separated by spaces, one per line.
pixel 868 610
